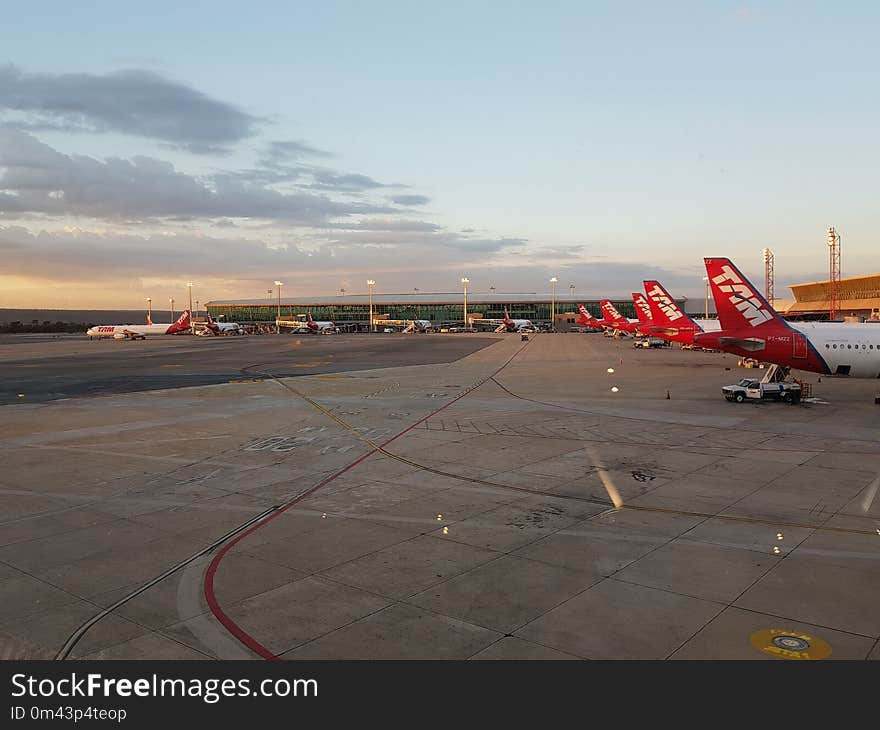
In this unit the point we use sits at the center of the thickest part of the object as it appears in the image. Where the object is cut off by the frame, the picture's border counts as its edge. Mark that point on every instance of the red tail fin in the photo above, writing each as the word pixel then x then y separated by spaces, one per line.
pixel 586 319
pixel 181 325
pixel 739 304
pixel 643 311
pixel 211 324
pixel 611 313
pixel 664 308
pixel 507 320
pixel 149 319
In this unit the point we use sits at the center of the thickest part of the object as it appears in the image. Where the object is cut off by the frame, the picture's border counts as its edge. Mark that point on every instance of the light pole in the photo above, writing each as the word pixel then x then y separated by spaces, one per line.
pixel 553 281
pixel 343 291
pixel 197 307
pixel 171 302
pixel 278 285
pixel 492 289
pixel 706 279
pixel 464 282
pixel 571 290
pixel 149 310
pixel 189 286
pixel 371 284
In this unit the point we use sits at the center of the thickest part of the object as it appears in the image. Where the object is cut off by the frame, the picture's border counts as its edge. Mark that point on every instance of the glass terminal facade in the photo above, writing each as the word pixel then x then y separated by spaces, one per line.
pixel 446 311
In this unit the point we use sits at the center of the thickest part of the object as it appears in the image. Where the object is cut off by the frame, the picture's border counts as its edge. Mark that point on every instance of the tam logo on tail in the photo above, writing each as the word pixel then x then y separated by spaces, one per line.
pixel 180 325
pixel 742 296
pixel 642 304
pixel 610 310
pixel 665 302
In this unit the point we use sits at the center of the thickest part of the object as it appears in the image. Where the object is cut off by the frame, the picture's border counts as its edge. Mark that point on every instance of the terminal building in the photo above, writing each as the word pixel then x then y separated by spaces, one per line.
pixel 442 309
pixel 858 299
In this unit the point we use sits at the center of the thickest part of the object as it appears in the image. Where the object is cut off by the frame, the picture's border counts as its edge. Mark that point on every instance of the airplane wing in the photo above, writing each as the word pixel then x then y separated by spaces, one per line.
pixel 752 344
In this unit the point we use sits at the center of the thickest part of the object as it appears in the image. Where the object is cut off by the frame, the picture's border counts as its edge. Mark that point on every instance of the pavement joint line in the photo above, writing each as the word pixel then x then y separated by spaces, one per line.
pixel 85 599
pixel 773 566
pixel 242 636
pixel 75 637
pixel 405 600
pixel 800 621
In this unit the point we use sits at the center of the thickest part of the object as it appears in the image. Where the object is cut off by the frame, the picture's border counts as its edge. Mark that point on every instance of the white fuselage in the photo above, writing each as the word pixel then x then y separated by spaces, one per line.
pixel 521 324
pixel 120 331
pixel 511 325
pixel 847 349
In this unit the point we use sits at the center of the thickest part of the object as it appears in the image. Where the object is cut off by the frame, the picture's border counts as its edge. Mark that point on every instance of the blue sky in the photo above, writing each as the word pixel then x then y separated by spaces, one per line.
pixel 599 142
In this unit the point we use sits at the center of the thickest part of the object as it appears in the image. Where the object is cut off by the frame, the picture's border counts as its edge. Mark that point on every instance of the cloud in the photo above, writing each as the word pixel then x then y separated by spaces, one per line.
pixel 390 224
pixel 343 182
pixel 77 253
pixel 427 238
pixel 282 151
pixel 236 266
pixel 38 179
pixel 134 102
pixel 409 199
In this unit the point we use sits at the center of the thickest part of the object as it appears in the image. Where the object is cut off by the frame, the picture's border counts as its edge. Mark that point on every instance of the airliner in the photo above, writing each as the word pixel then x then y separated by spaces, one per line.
pixel 322 327
pixel 309 326
pixel 139 331
pixel 509 325
pixel 750 327
pixel 615 320
pixel 221 328
pixel 585 319
pixel 670 322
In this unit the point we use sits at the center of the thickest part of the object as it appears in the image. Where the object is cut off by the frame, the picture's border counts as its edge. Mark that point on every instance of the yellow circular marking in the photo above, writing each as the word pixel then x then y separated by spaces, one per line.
pixel 788 644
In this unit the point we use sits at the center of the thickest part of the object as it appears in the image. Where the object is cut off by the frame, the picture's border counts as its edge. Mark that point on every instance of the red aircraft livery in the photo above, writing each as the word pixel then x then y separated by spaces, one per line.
pixel 643 311
pixel 585 319
pixel 750 327
pixel 615 320
pixel 670 323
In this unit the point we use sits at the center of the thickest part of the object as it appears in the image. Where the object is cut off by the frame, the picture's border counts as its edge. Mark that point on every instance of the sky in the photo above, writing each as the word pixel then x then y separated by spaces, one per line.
pixel 326 143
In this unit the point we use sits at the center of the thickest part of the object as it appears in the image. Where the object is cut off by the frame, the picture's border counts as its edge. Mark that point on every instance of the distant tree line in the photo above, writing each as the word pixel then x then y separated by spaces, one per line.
pixel 45 326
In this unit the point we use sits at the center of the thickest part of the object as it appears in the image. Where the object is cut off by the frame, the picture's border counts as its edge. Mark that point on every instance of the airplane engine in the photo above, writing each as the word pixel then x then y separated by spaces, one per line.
pixel 118 336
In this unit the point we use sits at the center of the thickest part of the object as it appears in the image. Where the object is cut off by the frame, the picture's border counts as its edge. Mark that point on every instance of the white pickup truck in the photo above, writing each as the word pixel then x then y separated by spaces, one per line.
pixel 648 342
pixel 759 390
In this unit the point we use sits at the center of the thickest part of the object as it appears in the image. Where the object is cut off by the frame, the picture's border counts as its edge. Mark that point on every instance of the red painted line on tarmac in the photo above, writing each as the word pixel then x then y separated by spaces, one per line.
pixel 239 633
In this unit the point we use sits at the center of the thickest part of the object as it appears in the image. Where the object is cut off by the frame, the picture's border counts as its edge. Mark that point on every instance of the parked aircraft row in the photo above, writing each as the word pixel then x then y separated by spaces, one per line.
pixel 748 326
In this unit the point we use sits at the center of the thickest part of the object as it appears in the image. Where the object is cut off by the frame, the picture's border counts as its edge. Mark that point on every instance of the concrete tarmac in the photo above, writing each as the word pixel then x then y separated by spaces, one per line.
pixel 568 497
pixel 45 368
